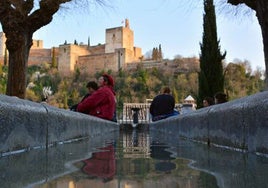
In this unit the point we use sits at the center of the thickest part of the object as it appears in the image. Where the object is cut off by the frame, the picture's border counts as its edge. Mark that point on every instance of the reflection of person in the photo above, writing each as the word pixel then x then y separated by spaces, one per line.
pixel 208 101
pixel 220 98
pixel 101 164
pixel 91 86
pixel 163 106
pixel 102 102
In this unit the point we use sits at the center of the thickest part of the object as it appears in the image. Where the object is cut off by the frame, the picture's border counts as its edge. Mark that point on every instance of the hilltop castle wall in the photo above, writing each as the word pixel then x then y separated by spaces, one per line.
pixel 93 63
pixel 99 49
pixel 39 56
pixel 37 44
pixel 117 52
pixel 68 57
pixel 176 66
pixel 132 56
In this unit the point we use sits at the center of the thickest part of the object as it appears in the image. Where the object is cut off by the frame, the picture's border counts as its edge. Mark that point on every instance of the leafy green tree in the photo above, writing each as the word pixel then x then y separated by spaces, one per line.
pixel 239 81
pixel 211 78
pixel 261 8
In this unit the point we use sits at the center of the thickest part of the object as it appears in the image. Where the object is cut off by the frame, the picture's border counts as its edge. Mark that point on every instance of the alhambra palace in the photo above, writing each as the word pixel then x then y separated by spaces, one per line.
pixel 118 52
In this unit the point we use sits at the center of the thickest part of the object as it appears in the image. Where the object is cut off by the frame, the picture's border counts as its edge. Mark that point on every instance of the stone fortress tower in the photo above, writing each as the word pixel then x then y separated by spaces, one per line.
pixel 117 51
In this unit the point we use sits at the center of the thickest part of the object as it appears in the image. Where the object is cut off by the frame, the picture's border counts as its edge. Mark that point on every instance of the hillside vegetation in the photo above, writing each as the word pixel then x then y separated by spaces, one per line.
pixel 136 85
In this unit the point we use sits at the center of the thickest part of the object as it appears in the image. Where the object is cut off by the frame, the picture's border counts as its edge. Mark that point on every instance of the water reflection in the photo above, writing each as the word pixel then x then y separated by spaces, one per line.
pixel 133 160
pixel 101 164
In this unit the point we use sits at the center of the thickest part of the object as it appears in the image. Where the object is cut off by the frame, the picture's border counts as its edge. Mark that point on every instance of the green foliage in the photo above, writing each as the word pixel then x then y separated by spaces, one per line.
pixel 136 85
pixel 30 95
pixel 54 61
pixel 77 74
pixel 157 53
pixel 239 82
pixel 1 69
pixel 34 68
pixel 3 79
pixel 175 95
pixel 211 78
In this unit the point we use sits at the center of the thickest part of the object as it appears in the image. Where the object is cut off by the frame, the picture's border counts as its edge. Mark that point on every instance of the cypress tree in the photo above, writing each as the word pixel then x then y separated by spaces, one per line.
pixel 211 77
pixel 160 55
pixel 54 61
pixel 88 42
pixel 154 54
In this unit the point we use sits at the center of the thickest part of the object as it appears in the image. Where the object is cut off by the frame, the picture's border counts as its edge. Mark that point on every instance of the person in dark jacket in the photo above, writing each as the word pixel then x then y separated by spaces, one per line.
pixel 163 106
pixel 91 86
pixel 102 102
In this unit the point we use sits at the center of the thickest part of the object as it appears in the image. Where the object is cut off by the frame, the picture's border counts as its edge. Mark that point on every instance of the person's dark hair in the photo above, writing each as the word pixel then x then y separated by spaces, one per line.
pixel 92 85
pixel 221 97
pixel 210 100
pixel 166 90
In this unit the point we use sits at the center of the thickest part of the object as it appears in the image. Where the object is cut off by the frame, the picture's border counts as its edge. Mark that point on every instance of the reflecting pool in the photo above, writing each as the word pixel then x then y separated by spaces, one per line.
pixel 135 158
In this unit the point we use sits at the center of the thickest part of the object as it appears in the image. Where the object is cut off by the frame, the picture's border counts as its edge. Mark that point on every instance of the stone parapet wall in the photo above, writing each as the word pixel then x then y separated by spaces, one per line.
pixel 240 124
pixel 25 125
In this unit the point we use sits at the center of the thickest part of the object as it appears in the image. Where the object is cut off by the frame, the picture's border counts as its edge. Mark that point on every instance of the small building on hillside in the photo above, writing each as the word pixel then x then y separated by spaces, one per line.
pixel 188 105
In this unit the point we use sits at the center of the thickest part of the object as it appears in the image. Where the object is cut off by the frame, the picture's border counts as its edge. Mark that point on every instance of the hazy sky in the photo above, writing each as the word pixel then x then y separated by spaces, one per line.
pixel 176 25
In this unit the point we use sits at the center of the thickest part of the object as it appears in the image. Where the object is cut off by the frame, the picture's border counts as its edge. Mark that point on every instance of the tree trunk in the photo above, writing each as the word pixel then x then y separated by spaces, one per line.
pixel 18 45
pixel 262 15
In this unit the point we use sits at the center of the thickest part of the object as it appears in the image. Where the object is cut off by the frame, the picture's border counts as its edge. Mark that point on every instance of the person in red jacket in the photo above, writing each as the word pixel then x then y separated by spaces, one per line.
pixel 102 102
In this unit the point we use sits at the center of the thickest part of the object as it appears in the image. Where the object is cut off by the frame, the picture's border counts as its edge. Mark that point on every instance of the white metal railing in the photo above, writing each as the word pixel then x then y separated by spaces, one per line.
pixel 144 116
pixel 129 110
